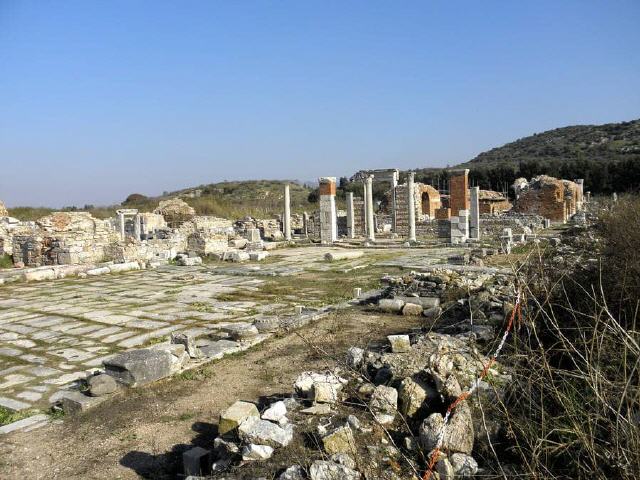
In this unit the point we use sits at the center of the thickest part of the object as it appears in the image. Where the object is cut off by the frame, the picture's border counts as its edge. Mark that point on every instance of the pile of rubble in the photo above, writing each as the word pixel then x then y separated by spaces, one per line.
pixel 378 415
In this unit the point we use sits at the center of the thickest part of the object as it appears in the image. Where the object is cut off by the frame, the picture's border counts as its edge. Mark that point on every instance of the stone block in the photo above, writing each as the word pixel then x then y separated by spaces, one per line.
pixel 340 440
pixel 196 461
pixel 139 367
pixel 101 385
pixel 391 305
pixel 253 452
pixel 258 256
pixel 399 343
pixel 188 341
pixel 74 402
pixel 412 310
pixel 238 242
pixel 233 416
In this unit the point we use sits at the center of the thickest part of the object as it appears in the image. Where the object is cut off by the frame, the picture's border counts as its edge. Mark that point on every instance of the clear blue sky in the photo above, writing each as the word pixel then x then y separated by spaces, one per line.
pixel 99 99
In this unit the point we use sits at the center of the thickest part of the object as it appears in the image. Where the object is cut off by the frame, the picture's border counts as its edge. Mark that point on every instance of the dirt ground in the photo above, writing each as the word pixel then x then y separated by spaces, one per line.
pixel 140 434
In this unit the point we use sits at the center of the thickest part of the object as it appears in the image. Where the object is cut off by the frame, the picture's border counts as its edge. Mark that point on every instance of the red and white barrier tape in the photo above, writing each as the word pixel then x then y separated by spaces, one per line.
pixel 474 386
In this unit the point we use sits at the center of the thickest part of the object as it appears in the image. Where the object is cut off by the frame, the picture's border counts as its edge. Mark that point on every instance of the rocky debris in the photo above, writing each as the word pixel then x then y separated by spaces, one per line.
pixel 294 472
pixel 384 404
pixel 237 413
pixel 340 440
pixel 399 343
pixel 188 342
pixel 253 452
pixel 139 367
pixel 458 434
pixel 101 385
pixel 415 394
pixel 328 385
pixel 464 466
pixel 355 357
pixel 185 260
pixel 264 432
pixel 326 470
pixel 276 412
pixel 412 310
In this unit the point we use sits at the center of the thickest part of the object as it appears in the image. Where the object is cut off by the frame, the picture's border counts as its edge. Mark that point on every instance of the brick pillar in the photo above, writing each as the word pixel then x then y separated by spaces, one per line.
pixel 474 220
pixel 459 191
pixel 328 225
pixel 351 226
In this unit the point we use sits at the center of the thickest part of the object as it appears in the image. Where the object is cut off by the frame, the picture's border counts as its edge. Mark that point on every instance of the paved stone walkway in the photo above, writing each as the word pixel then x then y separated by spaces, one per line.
pixel 53 333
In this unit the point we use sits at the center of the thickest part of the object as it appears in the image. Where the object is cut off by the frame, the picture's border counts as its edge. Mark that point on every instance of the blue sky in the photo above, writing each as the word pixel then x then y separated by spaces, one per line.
pixel 99 99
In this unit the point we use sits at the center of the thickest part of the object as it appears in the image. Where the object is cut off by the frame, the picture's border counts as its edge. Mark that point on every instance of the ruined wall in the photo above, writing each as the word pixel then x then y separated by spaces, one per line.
pixel 547 196
pixel 63 238
pixel 3 210
pixel 492 202
pixel 426 202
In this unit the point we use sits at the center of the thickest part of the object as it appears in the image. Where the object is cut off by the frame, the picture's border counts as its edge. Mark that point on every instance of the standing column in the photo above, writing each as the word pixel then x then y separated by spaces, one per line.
pixel 474 221
pixel 121 224
pixel 371 235
pixel 137 231
pixel 287 214
pixel 364 204
pixel 305 224
pixel 412 207
pixel 351 225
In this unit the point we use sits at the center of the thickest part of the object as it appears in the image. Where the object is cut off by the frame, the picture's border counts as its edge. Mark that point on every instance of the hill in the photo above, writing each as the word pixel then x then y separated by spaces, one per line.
pixel 606 156
pixel 233 200
pixel 611 142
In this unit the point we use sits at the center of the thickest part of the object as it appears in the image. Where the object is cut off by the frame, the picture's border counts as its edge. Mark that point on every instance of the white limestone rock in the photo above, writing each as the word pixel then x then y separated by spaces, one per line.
pixel 384 404
pixel 399 343
pixel 253 452
pixel 325 470
pixel 263 432
pixel 276 412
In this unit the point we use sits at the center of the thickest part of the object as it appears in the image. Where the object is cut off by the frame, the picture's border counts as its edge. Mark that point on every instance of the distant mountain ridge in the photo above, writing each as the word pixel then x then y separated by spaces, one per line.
pixel 610 142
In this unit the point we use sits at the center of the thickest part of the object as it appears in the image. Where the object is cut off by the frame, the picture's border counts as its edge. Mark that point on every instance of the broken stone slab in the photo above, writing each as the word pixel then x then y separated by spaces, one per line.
pixel 241 331
pixel 237 413
pixel 39 275
pixel 196 461
pixel 139 367
pixel 391 305
pixel 345 255
pixel 219 349
pixel 253 452
pixel 236 256
pixel 340 440
pixel 275 412
pixel 263 432
pixel 185 261
pixel 101 385
pixel 29 422
pixel 175 349
pixel 188 341
pixel 399 343
pixel 74 402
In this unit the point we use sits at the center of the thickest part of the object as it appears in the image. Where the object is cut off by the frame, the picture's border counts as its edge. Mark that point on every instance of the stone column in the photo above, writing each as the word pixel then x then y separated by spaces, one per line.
pixel 474 221
pixel 136 227
pixel 121 225
pixel 580 199
pixel 351 224
pixel 287 213
pixel 328 221
pixel 364 204
pixel 411 204
pixel 371 235
pixel 305 224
